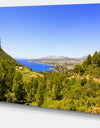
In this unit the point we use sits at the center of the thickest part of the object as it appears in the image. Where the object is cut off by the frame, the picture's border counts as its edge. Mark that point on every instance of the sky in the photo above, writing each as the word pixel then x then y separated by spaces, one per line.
pixel 60 30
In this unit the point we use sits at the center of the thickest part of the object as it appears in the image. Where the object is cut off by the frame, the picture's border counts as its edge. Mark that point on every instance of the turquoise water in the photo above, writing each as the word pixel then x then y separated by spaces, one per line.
pixel 35 66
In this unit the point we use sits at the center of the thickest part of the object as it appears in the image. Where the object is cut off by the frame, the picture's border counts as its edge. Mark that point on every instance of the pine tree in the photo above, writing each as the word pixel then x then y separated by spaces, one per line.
pixel 57 86
pixel 18 89
pixel 3 86
pixel 89 59
pixel 96 58
pixel 99 60
pixel 31 90
pixel 40 91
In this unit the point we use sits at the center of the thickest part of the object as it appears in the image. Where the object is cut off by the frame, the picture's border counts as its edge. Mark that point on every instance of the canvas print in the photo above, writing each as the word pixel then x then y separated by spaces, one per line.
pixel 50 56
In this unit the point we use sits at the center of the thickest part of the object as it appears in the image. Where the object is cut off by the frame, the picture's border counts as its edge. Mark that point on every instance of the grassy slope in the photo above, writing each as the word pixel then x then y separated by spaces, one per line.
pixel 26 72
pixel 8 59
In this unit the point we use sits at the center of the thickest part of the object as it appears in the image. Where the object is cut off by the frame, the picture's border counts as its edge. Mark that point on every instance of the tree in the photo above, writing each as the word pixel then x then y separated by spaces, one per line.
pixel 31 90
pixel 83 81
pixel 57 86
pixel 81 70
pixel 77 69
pixel 18 89
pixel 89 59
pixel 99 60
pixel 40 91
pixel 96 58
pixel 7 73
pixel 3 86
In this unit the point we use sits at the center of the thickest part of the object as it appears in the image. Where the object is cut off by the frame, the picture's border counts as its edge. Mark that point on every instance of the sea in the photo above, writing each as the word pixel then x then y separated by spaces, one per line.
pixel 35 66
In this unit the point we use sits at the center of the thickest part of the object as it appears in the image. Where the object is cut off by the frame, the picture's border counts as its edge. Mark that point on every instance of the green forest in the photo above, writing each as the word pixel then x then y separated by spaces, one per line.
pixel 78 90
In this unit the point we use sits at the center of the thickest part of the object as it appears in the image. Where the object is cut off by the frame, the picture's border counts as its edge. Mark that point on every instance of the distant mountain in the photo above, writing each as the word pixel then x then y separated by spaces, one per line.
pixel 8 59
pixel 82 58
pixel 54 57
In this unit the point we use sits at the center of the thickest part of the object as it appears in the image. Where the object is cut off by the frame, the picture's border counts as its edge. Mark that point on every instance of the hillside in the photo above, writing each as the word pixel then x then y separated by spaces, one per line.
pixel 90 67
pixel 8 59
pixel 26 72
pixel 59 90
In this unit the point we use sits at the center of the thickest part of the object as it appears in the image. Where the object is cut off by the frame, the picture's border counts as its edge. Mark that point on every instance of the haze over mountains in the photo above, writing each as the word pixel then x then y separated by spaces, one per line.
pixel 54 57
pixel 62 57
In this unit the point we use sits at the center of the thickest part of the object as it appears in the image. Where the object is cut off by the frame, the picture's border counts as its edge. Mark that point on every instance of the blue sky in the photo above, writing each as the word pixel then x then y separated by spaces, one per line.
pixel 62 30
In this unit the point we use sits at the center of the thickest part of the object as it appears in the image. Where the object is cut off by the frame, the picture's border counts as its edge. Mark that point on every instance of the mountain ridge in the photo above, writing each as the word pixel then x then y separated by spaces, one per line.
pixel 60 57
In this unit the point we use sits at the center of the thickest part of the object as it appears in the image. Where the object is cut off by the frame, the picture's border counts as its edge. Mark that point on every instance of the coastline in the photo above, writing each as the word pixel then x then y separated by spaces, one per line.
pixel 36 66
pixel 53 69
pixel 42 63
